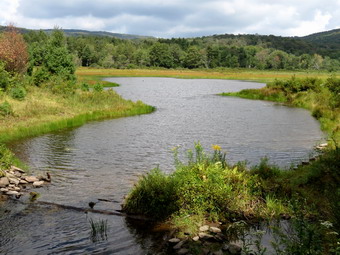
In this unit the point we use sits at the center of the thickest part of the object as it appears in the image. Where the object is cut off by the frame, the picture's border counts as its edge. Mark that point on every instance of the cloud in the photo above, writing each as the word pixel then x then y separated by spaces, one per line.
pixel 176 18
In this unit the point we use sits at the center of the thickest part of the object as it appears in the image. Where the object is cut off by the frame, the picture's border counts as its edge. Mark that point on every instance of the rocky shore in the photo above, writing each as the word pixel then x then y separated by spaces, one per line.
pixel 210 240
pixel 16 182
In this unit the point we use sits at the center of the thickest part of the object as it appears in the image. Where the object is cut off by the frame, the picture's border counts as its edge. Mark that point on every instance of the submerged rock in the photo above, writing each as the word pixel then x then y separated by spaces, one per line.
pixel 38 184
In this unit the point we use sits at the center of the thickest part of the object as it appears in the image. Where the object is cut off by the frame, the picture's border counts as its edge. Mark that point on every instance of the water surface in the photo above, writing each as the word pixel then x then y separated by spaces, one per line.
pixel 102 160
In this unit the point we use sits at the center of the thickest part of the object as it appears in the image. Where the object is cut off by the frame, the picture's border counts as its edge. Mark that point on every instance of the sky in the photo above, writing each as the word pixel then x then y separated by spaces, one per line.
pixel 176 18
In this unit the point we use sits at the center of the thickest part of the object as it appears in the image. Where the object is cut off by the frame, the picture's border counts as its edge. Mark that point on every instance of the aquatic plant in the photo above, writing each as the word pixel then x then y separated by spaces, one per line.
pixel 98 230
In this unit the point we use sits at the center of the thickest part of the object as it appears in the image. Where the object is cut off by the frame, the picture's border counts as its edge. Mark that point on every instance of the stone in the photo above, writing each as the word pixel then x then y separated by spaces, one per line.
pixel 12 192
pixel 4 190
pixel 31 179
pixel 219 252
pixel 183 251
pixel 13 181
pixel 179 245
pixel 204 228
pixel 14 168
pixel 234 249
pixel 16 189
pixel 196 238
pixel 38 184
pixel 205 236
pixel 23 182
pixel 174 240
pixel 215 230
pixel 4 182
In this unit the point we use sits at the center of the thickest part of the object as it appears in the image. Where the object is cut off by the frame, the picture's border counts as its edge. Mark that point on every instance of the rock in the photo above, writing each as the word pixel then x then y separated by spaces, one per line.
pixel 31 179
pixel 179 245
pixel 22 182
pixel 38 184
pixel 196 238
pixel 4 190
pixel 12 192
pixel 9 175
pixel 219 252
pixel 16 189
pixel 14 168
pixel 11 186
pixel 4 182
pixel 205 236
pixel 13 181
pixel 174 240
pixel 234 249
pixel 183 251
pixel 215 230
pixel 204 228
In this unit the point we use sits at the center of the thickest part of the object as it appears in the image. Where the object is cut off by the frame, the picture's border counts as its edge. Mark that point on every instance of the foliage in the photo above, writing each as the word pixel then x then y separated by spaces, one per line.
pixel 13 50
pixel 98 87
pixel 18 93
pixel 5 109
pixel 6 157
pixel 4 77
pixel 206 186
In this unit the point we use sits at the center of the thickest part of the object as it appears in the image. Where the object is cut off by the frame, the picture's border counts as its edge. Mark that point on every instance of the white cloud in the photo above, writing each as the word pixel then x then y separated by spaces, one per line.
pixel 176 18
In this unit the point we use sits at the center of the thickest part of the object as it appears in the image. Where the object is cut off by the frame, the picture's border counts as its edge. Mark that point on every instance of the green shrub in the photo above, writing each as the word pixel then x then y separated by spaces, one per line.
pixel 85 87
pixel 4 77
pixel 5 109
pixel 40 76
pixel 155 195
pixel 18 93
pixel 98 87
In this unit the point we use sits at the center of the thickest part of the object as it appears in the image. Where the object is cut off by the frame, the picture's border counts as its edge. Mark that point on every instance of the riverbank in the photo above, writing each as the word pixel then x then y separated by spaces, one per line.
pixel 207 189
pixel 85 74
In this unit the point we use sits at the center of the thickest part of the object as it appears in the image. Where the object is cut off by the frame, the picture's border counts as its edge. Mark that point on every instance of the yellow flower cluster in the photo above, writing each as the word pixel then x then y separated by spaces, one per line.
pixel 216 147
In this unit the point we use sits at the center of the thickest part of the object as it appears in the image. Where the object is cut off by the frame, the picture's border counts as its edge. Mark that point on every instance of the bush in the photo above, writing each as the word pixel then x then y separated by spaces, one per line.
pixel 5 109
pixel 98 87
pixel 4 77
pixel 40 76
pixel 85 87
pixel 18 93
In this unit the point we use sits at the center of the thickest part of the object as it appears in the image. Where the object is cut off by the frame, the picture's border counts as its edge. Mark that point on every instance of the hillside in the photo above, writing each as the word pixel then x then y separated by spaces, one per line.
pixel 79 32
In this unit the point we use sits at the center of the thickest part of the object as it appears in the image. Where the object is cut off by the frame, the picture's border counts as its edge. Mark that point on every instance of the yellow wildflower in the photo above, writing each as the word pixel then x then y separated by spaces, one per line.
pixel 216 147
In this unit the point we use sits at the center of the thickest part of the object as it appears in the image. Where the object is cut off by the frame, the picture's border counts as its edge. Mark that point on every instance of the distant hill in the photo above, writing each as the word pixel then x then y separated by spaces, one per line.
pixel 326 43
pixel 79 32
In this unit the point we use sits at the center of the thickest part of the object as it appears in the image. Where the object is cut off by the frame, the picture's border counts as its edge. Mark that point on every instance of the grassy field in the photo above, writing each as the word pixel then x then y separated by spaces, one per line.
pixel 93 74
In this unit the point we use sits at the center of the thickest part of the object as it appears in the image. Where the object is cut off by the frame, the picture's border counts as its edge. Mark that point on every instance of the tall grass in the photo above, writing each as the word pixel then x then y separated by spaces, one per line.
pixel 43 111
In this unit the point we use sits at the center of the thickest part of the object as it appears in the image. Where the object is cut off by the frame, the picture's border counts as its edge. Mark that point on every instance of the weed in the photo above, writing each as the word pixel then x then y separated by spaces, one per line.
pixel 6 109
pixel 98 230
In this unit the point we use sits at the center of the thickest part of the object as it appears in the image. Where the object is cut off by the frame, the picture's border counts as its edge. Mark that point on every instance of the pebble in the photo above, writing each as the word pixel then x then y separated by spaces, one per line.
pixel 4 190
pixel 4 182
pixel 196 238
pixel 23 182
pixel 13 181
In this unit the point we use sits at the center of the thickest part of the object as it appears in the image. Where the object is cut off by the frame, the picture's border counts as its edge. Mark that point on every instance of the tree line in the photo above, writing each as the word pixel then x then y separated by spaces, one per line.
pixel 205 52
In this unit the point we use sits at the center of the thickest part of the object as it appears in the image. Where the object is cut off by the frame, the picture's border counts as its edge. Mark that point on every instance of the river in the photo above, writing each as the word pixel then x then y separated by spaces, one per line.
pixel 100 161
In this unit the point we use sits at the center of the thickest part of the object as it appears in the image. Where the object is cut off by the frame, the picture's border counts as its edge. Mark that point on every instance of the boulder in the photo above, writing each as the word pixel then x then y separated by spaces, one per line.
pixel 4 182
pixel 23 182
pixel 38 184
pixel 31 179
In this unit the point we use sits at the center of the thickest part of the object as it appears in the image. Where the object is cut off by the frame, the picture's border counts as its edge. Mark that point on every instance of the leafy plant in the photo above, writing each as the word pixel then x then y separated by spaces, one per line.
pixel 5 109
pixel 18 93
pixel 98 87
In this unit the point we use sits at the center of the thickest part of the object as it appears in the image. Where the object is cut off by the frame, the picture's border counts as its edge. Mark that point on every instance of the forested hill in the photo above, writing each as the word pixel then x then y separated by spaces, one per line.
pixel 79 32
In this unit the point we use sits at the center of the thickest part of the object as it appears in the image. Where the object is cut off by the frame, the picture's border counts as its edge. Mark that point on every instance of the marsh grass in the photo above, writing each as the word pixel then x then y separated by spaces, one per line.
pixel 98 230
pixel 43 111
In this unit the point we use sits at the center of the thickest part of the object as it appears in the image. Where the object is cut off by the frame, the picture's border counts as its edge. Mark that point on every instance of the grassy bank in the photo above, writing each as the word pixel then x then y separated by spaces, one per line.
pixel 232 74
pixel 43 111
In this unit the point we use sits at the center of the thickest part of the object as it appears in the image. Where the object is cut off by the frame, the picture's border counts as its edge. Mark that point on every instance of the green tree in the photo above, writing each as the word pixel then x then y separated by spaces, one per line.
pixel 193 58
pixel 160 55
